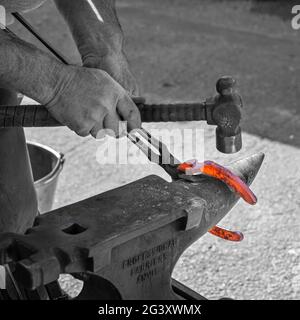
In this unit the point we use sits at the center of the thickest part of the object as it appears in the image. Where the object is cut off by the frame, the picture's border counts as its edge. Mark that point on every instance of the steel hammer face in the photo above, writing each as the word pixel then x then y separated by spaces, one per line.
pixel 129 238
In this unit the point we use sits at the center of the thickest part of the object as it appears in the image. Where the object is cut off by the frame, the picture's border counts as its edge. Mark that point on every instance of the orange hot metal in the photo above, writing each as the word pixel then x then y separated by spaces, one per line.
pixel 184 165
pixel 226 234
pixel 215 170
pixel 238 185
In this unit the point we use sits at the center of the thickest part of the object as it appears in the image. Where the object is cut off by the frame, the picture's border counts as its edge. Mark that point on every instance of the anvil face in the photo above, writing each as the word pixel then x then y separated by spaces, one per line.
pixel 130 237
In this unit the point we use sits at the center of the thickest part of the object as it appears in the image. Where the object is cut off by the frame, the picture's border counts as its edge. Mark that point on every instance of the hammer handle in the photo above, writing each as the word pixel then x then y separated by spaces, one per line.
pixel 38 116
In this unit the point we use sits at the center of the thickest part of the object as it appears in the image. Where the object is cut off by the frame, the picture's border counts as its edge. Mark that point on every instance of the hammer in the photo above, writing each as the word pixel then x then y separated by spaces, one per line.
pixel 223 110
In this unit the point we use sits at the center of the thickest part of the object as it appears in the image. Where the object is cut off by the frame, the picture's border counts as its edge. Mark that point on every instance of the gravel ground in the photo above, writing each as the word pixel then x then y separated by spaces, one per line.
pixel 178 49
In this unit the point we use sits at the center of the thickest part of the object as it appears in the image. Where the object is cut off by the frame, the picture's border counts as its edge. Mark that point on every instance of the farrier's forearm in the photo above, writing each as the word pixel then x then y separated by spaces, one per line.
pixel 26 69
pixel 94 25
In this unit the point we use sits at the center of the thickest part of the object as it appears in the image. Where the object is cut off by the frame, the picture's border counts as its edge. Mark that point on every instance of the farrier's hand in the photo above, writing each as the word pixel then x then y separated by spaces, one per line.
pixel 89 100
pixel 99 38
pixel 116 65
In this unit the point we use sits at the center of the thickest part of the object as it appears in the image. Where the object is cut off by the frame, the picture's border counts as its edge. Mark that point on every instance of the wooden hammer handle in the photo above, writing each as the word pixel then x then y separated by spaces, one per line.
pixel 39 116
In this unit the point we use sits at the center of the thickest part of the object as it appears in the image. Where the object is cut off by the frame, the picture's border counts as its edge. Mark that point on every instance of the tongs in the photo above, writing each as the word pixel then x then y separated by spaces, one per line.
pixel 156 151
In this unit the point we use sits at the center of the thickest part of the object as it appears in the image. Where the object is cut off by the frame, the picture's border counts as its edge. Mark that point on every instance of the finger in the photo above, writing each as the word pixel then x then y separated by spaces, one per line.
pixel 97 131
pixel 129 112
pixel 98 116
pixel 112 122
pixel 82 132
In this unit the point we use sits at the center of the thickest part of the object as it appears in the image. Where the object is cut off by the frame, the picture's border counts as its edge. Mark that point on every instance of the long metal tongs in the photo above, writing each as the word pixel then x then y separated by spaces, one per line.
pixel 156 151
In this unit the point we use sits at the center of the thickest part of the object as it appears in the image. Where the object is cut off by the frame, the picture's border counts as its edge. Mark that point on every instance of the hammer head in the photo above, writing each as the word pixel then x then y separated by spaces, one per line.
pixel 226 111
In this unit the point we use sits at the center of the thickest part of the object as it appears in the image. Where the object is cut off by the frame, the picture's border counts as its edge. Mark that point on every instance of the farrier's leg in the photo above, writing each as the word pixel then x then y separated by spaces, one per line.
pixel 18 203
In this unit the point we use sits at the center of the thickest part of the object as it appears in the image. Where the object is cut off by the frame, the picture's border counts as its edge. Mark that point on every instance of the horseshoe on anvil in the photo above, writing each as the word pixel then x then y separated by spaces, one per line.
pixel 129 238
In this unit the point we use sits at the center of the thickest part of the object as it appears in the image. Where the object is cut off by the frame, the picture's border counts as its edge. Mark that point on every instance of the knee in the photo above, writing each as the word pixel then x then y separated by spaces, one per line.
pixel 18 202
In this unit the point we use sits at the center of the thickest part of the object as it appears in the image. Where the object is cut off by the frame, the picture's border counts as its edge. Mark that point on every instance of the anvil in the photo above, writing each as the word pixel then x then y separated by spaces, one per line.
pixel 124 242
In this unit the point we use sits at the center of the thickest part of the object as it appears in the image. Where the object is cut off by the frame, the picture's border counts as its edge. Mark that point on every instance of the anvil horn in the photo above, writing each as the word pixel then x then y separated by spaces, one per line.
pixel 248 168
pixel 219 199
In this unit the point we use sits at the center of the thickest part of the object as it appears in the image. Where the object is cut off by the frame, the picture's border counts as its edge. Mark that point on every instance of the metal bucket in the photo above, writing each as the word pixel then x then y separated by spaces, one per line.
pixel 46 166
